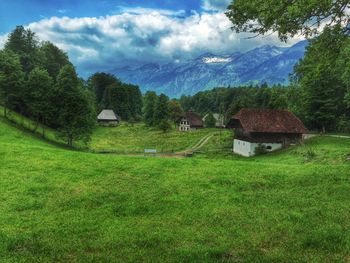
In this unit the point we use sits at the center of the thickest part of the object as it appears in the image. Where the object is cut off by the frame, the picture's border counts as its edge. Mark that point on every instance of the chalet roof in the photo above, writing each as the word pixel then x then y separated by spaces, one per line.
pixel 107 115
pixel 268 121
pixel 194 119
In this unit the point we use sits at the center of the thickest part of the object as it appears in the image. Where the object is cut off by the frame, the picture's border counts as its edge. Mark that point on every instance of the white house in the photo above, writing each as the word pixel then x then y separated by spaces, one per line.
pixel 190 121
pixel 272 129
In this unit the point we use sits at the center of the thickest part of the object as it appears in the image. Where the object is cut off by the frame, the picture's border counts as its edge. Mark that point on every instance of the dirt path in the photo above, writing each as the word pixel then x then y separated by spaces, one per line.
pixel 198 145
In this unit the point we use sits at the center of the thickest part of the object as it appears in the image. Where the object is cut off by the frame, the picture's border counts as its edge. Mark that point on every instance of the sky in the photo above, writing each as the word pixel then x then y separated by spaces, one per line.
pixel 106 34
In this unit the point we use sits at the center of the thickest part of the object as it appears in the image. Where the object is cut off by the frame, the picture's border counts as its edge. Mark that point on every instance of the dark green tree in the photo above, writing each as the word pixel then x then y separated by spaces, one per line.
pixel 210 120
pixel 162 109
pixel 11 80
pixel 53 59
pixel 98 83
pixel 164 126
pixel 76 115
pixel 39 89
pixel 288 18
pixel 323 91
pixel 175 110
pixel 150 101
pixel 25 44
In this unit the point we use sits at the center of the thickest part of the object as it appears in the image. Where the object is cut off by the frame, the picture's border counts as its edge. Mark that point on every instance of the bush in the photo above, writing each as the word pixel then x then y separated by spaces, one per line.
pixel 261 149
pixel 165 126
pixel 309 153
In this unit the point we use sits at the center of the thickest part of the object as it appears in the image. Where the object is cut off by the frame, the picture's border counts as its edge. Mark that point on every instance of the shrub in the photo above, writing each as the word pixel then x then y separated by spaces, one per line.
pixel 165 126
pixel 261 149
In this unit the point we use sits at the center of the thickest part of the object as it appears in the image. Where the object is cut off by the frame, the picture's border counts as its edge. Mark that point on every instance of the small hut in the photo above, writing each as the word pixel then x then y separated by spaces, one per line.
pixel 273 129
pixel 108 118
pixel 190 121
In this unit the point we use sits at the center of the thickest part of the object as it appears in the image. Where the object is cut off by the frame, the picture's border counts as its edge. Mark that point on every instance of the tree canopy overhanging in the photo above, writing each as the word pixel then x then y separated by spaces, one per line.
pixel 287 17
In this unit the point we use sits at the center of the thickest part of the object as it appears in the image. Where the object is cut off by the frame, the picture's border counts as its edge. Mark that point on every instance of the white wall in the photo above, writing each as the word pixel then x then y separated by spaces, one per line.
pixel 242 148
pixel 247 149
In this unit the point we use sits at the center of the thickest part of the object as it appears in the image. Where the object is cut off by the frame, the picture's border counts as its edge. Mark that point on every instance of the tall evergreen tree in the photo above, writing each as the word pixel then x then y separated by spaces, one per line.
pixel 25 44
pixel 76 115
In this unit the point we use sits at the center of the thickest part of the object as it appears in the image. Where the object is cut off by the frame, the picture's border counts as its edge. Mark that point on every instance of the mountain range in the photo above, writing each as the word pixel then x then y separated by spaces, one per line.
pixel 266 64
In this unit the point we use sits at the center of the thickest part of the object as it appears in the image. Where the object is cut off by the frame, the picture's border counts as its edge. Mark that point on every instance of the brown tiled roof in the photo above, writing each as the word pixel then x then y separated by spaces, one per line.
pixel 272 121
pixel 194 119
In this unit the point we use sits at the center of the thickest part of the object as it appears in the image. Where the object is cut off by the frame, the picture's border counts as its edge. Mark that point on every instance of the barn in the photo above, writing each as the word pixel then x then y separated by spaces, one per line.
pixel 190 121
pixel 108 118
pixel 274 129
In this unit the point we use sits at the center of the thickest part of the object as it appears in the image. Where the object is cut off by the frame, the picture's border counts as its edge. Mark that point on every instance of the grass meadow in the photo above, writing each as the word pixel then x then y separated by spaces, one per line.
pixel 59 205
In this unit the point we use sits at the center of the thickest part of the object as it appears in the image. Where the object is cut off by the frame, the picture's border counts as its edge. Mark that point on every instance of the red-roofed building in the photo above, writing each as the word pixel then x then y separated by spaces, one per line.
pixel 275 129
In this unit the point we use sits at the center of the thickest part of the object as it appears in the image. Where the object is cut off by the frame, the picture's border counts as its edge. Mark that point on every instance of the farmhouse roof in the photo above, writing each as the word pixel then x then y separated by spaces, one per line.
pixel 108 115
pixel 268 121
pixel 194 119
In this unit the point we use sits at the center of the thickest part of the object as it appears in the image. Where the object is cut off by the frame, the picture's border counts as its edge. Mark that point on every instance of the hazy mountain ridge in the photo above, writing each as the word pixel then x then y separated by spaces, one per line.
pixel 268 64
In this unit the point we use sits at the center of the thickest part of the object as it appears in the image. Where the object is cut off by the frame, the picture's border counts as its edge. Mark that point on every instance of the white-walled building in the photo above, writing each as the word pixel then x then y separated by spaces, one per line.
pixel 190 121
pixel 271 129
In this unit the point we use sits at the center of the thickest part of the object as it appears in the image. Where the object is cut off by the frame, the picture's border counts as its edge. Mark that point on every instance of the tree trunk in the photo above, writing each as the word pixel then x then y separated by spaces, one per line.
pixel 5 112
pixel 323 129
pixel 70 141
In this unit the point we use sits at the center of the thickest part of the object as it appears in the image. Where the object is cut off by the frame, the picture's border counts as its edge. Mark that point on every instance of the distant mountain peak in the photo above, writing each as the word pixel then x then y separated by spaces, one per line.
pixel 270 64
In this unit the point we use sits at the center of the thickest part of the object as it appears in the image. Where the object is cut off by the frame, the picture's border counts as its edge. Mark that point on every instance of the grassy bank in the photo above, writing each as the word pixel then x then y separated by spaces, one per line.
pixel 65 206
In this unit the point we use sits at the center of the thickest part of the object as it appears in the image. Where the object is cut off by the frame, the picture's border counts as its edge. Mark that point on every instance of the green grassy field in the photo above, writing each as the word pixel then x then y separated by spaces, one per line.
pixel 131 139
pixel 134 139
pixel 59 205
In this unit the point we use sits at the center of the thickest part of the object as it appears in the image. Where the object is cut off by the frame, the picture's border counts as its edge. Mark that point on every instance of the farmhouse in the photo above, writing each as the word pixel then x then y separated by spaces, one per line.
pixel 108 118
pixel 219 118
pixel 274 129
pixel 190 121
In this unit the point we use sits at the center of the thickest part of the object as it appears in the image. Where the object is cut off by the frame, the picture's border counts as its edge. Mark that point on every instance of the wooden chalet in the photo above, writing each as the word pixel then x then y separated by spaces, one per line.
pixel 275 129
pixel 108 118
pixel 190 121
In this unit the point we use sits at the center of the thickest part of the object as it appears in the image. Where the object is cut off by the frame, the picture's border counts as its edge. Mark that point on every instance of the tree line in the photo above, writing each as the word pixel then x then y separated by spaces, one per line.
pixel 38 81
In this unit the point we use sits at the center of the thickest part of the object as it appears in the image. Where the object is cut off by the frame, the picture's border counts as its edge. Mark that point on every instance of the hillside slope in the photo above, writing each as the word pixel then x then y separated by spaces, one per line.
pixel 67 206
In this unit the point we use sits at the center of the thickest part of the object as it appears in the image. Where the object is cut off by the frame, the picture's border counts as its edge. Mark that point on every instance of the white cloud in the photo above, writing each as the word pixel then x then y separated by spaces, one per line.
pixel 142 11
pixel 3 39
pixel 108 42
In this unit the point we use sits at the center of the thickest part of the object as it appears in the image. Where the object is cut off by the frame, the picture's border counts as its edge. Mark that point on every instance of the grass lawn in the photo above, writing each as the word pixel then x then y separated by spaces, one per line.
pixel 58 205
pixel 134 139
